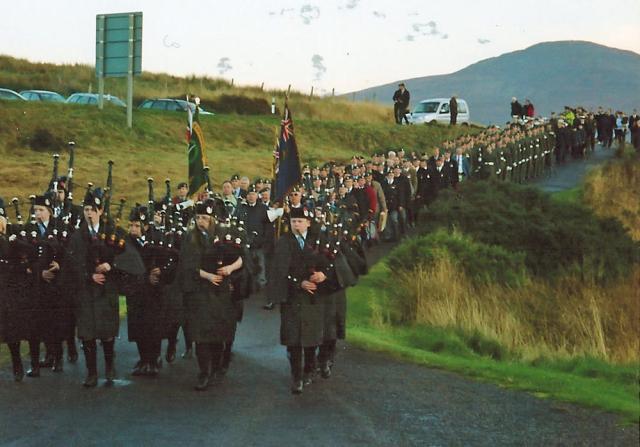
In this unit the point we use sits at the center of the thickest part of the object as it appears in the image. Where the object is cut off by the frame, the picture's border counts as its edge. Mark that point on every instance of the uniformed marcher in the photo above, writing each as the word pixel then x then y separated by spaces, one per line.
pixel 207 260
pixel 145 301
pixel 296 276
pixel 14 283
pixel 90 263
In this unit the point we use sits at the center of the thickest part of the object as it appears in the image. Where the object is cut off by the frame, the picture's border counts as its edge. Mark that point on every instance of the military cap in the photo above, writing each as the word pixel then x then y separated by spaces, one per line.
pixel 94 198
pixel 139 213
pixel 160 205
pixel 182 184
pixel 300 213
pixel 296 188
pixel 252 188
pixel 44 200
pixel 235 177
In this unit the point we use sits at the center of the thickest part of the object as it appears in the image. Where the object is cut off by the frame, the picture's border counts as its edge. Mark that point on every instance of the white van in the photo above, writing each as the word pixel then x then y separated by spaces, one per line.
pixel 437 109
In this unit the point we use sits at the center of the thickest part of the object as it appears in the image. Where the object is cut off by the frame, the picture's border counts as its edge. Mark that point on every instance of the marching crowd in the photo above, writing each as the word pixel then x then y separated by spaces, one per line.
pixel 191 263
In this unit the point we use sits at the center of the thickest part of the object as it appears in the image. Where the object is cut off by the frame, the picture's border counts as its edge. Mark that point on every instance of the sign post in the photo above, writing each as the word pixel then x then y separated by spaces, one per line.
pixel 118 52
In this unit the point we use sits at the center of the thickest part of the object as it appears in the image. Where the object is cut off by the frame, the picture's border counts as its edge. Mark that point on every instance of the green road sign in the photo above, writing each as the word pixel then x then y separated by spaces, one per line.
pixel 118 44
pixel 119 52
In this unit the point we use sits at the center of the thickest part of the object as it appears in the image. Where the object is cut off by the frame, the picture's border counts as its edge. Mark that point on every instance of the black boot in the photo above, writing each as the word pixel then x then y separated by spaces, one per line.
pixel 295 361
pixel 90 358
pixel 309 366
pixel 109 358
pixel 47 361
pixel 226 359
pixel 72 352
pixel 203 354
pixel 16 360
pixel 34 353
pixel 170 357
pixel 58 362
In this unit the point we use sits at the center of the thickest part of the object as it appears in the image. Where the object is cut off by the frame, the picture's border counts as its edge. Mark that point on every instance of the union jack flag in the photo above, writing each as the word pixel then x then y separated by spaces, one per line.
pixel 286 159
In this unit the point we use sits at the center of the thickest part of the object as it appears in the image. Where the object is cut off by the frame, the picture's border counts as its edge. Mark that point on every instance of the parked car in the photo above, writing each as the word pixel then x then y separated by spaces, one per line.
pixel 5 93
pixel 437 110
pixel 92 99
pixel 176 105
pixel 42 95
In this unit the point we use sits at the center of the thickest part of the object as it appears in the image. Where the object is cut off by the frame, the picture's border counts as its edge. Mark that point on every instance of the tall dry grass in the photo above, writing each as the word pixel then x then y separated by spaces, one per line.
pixel 614 191
pixel 538 319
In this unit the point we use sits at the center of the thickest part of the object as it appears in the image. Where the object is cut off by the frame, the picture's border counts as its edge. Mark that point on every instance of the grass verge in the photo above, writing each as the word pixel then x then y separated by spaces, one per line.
pixel 583 381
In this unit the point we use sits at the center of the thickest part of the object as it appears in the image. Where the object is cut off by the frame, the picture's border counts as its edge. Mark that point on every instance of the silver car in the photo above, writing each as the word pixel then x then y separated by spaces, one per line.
pixel 42 95
pixel 5 93
pixel 92 99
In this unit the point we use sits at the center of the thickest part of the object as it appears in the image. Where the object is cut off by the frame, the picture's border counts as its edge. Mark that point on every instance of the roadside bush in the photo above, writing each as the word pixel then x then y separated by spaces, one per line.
pixel 241 105
pixel 482 263
pixel 43 140
pixel 556 237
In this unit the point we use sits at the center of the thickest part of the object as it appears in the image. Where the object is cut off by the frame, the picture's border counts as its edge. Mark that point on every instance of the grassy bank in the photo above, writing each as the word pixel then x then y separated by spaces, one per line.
pixel 578 379
pixel 217 94
pixel 156 146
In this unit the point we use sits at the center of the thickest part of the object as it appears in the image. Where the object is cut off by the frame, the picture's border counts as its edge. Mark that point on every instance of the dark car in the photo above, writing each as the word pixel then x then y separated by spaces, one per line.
pixel 174 105
pixel 92 99
pixel 42 95
pixel 5 93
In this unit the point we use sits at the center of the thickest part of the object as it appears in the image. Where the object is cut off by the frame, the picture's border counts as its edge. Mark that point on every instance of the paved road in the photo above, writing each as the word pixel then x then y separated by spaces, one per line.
pixel 570 174
pixel 371 400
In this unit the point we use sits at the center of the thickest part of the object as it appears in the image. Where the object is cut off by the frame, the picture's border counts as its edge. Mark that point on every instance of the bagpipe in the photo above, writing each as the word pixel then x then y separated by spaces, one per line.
pixel 229 242
pixel 162 239
pixel 109 245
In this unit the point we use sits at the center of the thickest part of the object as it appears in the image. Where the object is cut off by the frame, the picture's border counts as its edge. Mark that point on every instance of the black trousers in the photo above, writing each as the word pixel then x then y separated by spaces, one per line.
pixel 209 357
pixel 90 348
pixel 400 112
pixel 295 354
pixel 327 352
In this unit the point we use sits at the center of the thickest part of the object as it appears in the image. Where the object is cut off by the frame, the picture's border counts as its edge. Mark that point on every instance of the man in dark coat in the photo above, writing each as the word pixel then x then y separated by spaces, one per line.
pixel 145 301
pixel 14 299
pixel 206 263
pixel 516 109
pixel 453 110
pixel 90 263
pixel 51 309
pixel 401 99
pixel 296 276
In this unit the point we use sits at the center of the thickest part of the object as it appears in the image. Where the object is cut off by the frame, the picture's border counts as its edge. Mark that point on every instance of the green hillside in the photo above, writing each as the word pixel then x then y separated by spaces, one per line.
pixel 217 95
pixel 156 146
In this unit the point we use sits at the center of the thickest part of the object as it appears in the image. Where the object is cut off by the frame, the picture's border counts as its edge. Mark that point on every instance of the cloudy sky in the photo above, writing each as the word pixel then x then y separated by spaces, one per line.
pixel 341 44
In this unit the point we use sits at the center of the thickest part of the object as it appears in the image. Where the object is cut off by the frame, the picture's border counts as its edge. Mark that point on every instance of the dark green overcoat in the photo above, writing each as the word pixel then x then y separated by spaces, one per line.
pixel 96 306
pixel 209 310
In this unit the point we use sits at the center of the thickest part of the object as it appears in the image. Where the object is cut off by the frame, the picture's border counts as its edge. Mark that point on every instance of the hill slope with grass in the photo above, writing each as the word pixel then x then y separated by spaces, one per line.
pixel 31 132
pixel 217 95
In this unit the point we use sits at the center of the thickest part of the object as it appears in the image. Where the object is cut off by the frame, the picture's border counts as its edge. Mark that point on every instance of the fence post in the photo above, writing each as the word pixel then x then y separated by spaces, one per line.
pixel 311 95
pixel 333 92
pixel 288 90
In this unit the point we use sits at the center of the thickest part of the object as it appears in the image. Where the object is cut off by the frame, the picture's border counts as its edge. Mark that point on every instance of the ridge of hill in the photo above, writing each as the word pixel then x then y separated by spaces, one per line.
pixel 550 74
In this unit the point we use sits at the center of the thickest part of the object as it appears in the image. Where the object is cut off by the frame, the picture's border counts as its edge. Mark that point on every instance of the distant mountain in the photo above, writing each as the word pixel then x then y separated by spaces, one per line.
pixel 550 74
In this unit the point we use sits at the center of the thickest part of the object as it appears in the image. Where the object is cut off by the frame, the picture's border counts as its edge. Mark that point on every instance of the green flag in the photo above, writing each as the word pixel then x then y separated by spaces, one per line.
pixel 196 155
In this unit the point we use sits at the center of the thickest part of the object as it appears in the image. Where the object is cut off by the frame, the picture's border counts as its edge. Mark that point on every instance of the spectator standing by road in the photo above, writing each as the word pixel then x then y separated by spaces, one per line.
pixel 516 109
pixel 528 110
pixel 401 104
pixel 453 110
